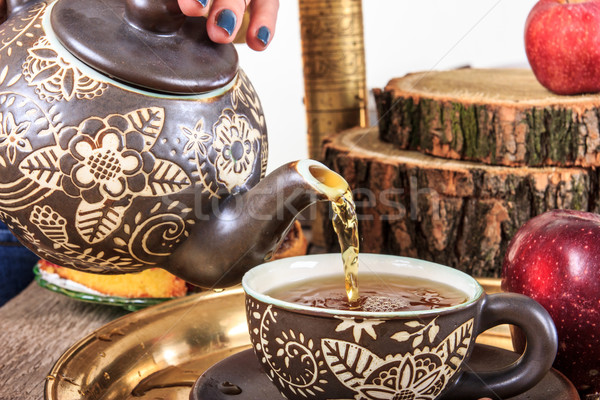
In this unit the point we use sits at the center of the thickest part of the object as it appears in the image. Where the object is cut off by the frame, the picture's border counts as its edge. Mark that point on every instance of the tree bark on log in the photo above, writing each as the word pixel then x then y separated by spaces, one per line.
pixel 457 213
pixel 494 116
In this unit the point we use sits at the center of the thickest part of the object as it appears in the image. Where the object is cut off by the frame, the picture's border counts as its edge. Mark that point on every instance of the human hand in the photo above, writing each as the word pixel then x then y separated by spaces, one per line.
pixel 225 18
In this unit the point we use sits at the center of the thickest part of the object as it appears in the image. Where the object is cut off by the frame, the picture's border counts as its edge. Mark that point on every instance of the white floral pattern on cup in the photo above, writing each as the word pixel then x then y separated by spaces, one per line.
pixel 419 374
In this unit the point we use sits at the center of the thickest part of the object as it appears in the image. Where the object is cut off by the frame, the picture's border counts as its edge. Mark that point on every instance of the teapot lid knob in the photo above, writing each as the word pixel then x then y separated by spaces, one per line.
pixel 145 43
pixel 155 16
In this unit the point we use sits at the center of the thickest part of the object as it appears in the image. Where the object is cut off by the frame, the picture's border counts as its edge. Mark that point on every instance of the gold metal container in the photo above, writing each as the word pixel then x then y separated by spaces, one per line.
pixel 334 68
pixel 335 88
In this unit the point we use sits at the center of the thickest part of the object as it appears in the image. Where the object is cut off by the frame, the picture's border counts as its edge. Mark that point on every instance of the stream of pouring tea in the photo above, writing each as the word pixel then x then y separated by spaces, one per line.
pixel 345 225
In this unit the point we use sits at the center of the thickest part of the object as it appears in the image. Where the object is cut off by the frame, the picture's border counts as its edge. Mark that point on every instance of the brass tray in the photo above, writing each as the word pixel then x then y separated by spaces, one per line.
pixel 159 352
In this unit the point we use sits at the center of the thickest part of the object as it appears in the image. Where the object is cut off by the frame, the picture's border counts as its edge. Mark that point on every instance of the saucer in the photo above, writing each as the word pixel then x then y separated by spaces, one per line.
pixel 240 377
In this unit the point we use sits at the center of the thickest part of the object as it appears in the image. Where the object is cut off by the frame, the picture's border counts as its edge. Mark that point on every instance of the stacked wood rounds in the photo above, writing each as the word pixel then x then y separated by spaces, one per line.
pixel 461 159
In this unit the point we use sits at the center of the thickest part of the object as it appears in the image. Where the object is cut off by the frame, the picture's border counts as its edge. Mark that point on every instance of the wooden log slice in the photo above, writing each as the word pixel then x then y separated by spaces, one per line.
pixel 457 213
pixel 495 116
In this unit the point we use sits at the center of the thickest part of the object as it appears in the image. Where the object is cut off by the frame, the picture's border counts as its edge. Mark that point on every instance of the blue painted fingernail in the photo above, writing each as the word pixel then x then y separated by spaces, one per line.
pixel 227 20
pixel 203 2
pixel 263 34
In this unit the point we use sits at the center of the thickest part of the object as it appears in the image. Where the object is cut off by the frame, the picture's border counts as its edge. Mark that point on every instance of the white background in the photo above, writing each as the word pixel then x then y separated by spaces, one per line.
pixel 401 36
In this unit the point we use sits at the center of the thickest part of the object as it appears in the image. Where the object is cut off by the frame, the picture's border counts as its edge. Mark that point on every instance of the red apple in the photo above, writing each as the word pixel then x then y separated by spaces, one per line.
pixel 555 259
pixel 562 42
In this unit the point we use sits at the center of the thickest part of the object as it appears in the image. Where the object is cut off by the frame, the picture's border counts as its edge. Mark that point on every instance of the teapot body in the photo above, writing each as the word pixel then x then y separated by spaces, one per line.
pixel 101 176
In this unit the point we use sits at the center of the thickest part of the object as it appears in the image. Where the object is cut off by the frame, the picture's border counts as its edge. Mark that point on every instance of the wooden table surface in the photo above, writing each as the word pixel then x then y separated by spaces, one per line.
pixel 36 328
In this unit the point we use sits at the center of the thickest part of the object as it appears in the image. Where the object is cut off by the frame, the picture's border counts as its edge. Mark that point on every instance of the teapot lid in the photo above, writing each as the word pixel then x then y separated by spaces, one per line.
pixel 146 43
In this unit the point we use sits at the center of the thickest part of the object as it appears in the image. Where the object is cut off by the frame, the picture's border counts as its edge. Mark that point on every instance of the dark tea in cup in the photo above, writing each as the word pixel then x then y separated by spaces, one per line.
pixel 378 293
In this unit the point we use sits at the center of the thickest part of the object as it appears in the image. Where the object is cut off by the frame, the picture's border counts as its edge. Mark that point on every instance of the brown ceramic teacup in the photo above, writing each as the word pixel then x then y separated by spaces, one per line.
pixel 321 353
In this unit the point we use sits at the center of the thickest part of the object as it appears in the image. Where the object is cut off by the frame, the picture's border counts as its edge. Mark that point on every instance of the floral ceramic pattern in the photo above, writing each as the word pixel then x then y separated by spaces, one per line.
pixel 16 128
pixel 51 223
pixel 418 374
pixel 232 146
pixel 54 78
pixel 21 119
pixel 197 139
pixel 12 136
pixel 105 163
pixel 197 144
pixel 106 159
pixel 245 94
pixel 108 162
pixel 291 351
pixel 236 143
pixel 358 327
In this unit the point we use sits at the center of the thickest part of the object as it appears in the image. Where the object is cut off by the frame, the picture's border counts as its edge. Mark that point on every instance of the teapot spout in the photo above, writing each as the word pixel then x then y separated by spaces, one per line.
pixel 247 228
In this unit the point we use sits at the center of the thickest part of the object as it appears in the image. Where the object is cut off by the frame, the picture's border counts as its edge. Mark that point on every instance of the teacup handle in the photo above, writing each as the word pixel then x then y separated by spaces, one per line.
pixel 534 363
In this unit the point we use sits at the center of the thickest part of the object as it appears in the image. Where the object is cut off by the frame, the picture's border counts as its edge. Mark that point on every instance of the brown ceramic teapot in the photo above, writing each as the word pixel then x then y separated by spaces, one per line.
pixel 128 140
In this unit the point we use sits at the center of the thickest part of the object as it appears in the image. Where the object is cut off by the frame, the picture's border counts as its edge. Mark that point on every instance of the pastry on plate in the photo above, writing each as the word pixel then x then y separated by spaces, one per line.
pixel 153 282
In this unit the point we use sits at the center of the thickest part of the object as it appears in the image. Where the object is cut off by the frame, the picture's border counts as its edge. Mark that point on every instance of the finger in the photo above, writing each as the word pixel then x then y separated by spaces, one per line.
pixel 225 19
pixel 194 8
pixel 263 17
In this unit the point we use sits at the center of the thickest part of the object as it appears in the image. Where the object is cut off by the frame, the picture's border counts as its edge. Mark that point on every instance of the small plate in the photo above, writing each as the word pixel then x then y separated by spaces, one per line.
pixel 67 288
